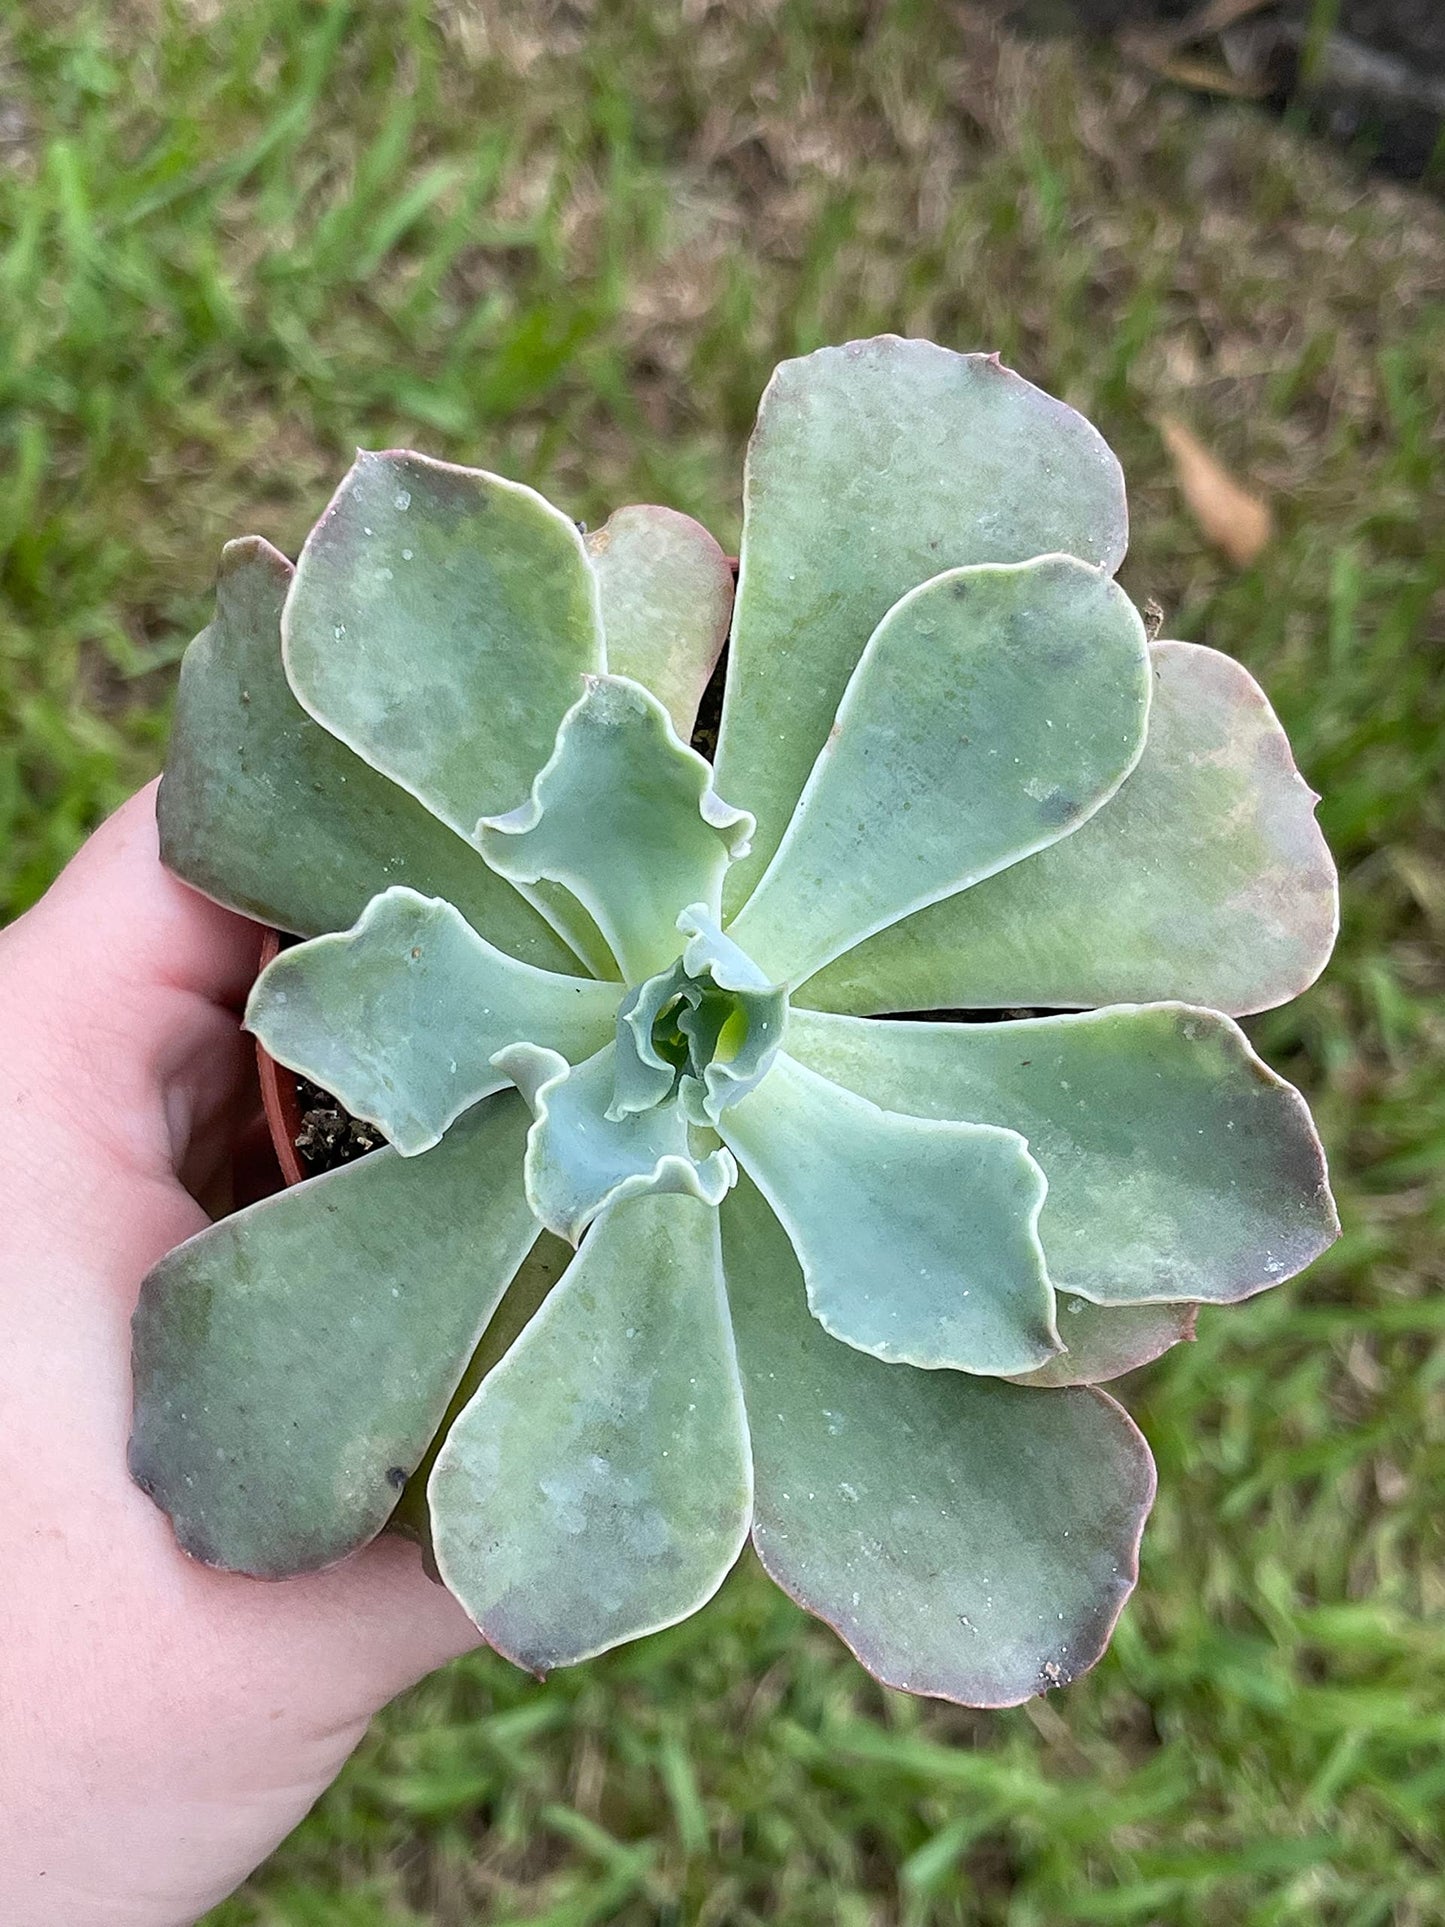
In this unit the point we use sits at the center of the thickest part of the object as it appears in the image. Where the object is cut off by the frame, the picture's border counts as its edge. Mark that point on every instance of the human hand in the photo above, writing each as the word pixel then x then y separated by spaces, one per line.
pixel 162 1726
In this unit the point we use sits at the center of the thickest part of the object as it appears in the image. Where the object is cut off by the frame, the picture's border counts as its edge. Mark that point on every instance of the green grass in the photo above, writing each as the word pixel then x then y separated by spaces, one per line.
pixel 569 241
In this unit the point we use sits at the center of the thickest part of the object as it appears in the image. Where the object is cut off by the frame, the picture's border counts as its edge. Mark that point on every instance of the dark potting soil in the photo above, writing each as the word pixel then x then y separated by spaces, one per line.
pixel 329 1134
pixel 709 711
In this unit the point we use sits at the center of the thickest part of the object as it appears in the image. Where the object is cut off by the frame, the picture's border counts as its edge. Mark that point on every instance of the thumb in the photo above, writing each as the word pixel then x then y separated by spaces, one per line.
pixel 122 988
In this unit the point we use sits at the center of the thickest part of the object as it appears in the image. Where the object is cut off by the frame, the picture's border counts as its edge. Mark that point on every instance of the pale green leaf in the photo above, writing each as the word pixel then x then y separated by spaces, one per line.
pixel 967 1538
pixel 625 817
pixel 1179 1166
pixel 918 1239
pixel 873 467
pixel 1105 1341
pixel 292 1362
pixel 642 1075
pixel 667 594
pixel 574 925
pixel 1206 878
pixel 993 711
pixel 598 1487
pixel 580 1159
pixel 401 1015
pixel 440 623
pixel 537 1275
pixel 264 810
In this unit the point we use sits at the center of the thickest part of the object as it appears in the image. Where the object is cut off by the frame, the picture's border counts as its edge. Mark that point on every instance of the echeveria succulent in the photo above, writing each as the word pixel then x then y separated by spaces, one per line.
pixel 842 1279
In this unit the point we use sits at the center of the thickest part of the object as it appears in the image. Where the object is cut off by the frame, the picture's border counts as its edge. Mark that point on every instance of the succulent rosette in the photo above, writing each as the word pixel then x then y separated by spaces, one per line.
pixel 685 1229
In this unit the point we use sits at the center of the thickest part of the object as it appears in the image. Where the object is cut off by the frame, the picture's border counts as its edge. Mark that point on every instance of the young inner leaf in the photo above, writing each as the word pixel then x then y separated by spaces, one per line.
pixel 705 1031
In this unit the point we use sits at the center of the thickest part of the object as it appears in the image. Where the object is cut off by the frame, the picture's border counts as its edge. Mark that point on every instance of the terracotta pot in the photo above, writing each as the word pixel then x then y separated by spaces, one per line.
pixel 278 1093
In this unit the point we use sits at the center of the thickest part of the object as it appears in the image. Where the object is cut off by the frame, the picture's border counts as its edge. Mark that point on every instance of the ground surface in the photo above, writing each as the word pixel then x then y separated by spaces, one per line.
pixel 1368 75
pixel 569 241
pixel 1414 28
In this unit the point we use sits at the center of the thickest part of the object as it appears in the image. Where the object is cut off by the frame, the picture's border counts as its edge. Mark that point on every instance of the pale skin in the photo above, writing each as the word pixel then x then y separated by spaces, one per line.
pixel 162 1726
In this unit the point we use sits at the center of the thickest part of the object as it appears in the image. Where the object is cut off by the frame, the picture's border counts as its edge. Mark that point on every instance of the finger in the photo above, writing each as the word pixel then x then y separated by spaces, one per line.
pixel 130 924
pixel 355 1636
pixel 123 988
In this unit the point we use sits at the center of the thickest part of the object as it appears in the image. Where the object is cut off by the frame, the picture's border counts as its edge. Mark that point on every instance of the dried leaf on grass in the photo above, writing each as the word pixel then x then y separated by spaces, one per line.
pixel 1228 516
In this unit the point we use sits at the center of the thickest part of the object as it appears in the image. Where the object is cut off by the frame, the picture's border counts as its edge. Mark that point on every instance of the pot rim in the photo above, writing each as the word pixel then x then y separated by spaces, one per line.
pixel 279 1097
